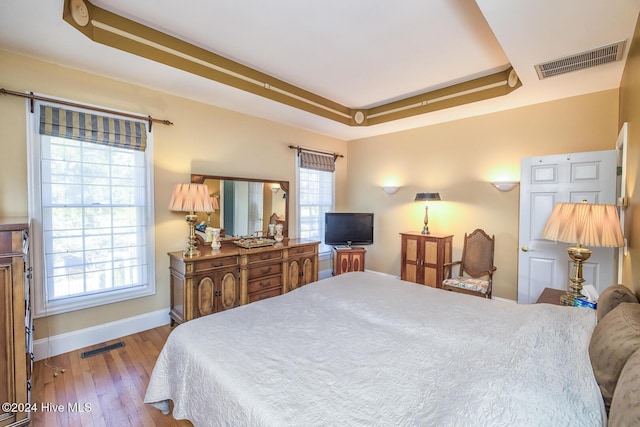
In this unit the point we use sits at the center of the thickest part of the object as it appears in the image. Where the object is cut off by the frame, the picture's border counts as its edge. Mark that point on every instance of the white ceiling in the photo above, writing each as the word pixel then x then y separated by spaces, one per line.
pixel 359 53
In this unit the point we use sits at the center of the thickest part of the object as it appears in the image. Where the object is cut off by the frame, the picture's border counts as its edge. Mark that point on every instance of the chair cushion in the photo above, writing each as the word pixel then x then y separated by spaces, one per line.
pixel 625 407
pixel 476 285
pixel 615 338
pixel 611 297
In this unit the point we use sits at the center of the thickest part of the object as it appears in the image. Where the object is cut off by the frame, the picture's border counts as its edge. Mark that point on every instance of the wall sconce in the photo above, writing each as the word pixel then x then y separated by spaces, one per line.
pixel 275 189
pixel 390 189
pixel 505 185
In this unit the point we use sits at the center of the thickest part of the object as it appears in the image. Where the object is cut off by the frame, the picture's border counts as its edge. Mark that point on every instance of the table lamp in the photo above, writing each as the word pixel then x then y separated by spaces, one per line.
pixel 426 197
pixel 191 198
pixel 582 224
pixel 214 205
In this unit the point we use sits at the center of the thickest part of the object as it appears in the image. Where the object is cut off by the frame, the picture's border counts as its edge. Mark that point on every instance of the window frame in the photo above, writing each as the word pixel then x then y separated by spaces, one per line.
pixel 42 306
pixel 324 251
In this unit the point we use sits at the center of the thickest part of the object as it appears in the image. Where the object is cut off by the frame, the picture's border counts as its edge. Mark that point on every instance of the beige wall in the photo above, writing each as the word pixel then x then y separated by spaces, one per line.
pixel 458 159
pixel 630 113
pixel 204 139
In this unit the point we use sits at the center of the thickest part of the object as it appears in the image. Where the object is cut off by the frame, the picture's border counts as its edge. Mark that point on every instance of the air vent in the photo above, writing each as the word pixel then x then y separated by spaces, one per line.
pixel 101 350
pixel 578 61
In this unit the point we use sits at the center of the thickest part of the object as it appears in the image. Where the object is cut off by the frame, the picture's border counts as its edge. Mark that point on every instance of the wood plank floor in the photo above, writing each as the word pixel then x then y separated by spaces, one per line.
pixel 111 384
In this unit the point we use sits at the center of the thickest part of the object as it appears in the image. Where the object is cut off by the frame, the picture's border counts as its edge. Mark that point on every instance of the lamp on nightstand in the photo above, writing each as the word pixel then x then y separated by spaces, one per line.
pixel 191 198
pixel 214 205
pixel 426 197
pixel 582 224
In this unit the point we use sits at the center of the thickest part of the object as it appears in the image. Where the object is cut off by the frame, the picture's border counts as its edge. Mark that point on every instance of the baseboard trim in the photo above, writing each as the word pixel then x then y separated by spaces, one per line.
pixel 504 299
pixel 325 274
pixel 70 341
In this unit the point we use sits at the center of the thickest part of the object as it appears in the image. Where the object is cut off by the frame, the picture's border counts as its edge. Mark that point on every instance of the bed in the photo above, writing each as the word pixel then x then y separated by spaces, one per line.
pixel 364 349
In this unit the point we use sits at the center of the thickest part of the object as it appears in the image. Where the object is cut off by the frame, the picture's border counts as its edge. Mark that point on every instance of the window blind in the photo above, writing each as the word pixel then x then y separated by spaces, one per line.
pixel 319 162
pixel 81 126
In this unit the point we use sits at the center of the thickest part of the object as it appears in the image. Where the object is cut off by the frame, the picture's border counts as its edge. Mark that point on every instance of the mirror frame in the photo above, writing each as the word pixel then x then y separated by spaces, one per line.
pixel 284 185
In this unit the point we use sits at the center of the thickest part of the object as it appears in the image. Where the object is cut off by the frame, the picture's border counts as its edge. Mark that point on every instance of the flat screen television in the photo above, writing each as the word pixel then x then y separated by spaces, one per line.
pixel 345 228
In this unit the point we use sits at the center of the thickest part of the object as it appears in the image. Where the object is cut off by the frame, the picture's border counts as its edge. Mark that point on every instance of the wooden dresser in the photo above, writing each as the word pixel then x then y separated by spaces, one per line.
pixel 423 257
pixel 345 260
pixel 16 332
pixel 232 276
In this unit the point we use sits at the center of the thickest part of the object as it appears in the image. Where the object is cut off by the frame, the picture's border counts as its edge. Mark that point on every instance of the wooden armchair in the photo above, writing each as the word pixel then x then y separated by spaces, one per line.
pixel 476 266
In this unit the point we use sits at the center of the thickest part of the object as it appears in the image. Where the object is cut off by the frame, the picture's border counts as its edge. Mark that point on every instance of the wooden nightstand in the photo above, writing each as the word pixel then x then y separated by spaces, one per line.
pixel 551 296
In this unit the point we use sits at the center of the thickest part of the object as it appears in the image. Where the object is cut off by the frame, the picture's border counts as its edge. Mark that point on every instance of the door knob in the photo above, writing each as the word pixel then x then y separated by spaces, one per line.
pixel 525 249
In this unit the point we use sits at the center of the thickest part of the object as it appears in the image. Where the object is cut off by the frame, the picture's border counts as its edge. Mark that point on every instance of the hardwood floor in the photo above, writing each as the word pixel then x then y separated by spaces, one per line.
pixel 109 386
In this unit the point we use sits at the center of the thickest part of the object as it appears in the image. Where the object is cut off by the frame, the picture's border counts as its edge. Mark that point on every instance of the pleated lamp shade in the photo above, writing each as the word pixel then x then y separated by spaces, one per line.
pixel 190 198
pixel 214 203
pixel 585 224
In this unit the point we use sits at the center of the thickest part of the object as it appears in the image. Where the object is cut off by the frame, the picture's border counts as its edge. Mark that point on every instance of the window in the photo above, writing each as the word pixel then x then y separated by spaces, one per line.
pixel 91 209
pixel 315 194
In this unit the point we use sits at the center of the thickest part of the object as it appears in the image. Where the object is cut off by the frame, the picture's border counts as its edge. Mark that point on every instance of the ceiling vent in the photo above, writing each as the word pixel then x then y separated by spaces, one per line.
pixel 578 61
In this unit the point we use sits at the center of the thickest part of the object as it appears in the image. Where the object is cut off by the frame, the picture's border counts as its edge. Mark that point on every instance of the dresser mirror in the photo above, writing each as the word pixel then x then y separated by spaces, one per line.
pixel 246 206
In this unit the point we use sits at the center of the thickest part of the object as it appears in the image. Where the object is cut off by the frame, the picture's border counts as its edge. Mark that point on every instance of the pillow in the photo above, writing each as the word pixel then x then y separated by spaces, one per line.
pixel 615 338
pixel 625 407
pixel 611 297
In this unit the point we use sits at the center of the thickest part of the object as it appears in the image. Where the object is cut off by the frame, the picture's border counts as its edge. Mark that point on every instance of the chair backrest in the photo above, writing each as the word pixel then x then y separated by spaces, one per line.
pixel 477 254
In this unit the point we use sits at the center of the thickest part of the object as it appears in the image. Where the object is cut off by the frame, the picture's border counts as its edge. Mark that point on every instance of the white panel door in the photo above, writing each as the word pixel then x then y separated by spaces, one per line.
pixel 621 186
pixel 544 182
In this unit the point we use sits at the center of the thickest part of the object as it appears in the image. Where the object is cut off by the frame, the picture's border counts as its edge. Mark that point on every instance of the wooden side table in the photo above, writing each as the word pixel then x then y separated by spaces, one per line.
pixel 551 296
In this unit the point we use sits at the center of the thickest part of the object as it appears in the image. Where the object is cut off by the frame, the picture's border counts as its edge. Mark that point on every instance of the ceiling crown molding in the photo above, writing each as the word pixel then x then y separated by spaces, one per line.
pixel 121 33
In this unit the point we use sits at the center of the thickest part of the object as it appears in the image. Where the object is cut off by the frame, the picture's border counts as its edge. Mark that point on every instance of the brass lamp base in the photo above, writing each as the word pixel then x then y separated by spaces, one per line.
pixel 425 229
pixel 578 255
pixel 568 298
pixel 192 249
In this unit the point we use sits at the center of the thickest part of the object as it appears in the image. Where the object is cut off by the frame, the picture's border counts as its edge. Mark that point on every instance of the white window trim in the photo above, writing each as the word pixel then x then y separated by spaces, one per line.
pixel 324 251
pixel 38 289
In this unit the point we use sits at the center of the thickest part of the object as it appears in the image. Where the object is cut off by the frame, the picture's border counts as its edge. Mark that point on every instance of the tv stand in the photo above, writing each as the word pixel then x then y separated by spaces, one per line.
pixel 342 247
pixel 347 259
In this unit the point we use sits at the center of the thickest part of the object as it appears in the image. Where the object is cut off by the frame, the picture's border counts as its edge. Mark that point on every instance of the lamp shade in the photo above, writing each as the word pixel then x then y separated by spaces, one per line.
pixel 584 224
pixel 190 198
pixel 427 196
pixel 214 203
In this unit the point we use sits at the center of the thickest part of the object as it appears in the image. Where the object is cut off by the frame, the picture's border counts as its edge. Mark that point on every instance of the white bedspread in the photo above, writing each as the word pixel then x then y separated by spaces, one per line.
pixel 362 349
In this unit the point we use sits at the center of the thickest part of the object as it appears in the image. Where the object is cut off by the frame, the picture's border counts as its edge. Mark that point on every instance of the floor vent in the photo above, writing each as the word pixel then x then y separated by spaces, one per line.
pixel 581 60
pixel 101 350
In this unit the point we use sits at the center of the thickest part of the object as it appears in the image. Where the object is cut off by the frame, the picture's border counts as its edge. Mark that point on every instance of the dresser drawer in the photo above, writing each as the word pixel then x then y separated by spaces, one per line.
pixel 259 285
pixel 264 270
pixel 264 256
pixel 257 296
pixel 300 250
pixel 210 264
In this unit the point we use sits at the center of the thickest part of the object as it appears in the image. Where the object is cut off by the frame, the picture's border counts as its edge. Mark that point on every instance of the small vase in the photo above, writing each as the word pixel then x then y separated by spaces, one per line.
pixel 209 234
pixel 215 238
pixel 279 237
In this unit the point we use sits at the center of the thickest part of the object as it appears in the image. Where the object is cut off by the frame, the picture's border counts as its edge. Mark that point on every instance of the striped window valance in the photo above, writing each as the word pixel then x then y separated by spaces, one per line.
pixel 319 162
pixel 94 128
